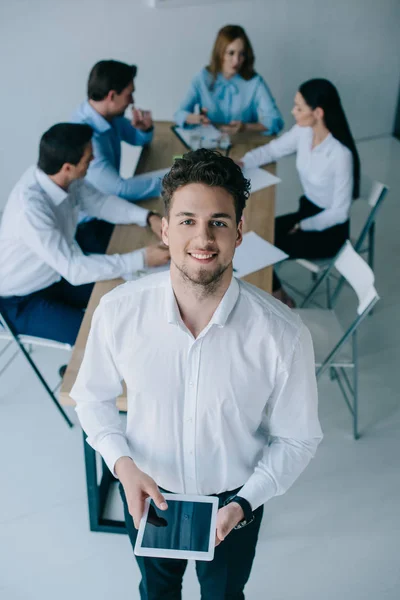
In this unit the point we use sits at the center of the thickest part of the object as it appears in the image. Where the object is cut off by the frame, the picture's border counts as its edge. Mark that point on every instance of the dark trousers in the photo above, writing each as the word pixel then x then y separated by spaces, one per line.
pixel 56 312
pixel 307 244
pixel 93 236
pixel 223 578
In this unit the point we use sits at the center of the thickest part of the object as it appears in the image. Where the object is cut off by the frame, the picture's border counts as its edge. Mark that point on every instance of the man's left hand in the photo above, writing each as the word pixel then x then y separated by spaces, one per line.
pixel 142 119
pixel 155 225
pixel 227 518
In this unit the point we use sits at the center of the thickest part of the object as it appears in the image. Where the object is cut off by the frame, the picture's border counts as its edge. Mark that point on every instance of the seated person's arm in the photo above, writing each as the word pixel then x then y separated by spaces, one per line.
pixel 105 177
pixel 115 210
pixel 138 135
pixel 185 115
pixel 42 235
pixel 268 113
pixel 342 198
pixel 283 146
pixel 110 208
pixel 293 425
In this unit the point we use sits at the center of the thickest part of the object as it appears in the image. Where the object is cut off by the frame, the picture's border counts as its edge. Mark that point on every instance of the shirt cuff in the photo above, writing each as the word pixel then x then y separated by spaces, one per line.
pixel 248 161
pixel 112 447
pixel 258 490
pixel 134 261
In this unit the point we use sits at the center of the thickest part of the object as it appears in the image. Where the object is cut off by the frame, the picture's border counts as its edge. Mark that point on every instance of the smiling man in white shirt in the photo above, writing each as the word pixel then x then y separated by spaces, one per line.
pixel 45 277
pixel 220 378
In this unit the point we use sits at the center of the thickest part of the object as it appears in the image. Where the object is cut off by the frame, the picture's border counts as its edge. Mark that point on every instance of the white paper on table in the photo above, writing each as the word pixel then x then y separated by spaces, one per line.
pixel 210 135
pixel 254 254
pixel 130 156
pixel 158 173
pixel 260 179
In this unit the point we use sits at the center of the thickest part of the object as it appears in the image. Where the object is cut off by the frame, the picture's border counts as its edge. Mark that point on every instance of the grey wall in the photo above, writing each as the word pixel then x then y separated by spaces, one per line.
pixel 48 46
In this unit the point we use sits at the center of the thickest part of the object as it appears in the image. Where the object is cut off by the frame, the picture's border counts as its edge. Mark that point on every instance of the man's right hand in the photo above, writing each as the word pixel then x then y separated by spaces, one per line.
pixel 137 487
pixel 157 255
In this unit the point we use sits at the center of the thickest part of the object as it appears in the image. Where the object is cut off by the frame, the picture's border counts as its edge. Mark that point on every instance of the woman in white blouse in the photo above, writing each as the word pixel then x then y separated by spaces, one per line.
pixel 329 171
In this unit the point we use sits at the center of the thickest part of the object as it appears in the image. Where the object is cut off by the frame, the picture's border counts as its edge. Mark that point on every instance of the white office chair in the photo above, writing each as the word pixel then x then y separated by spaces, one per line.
pixel 367 205
pixel 334 347
pixel 24 344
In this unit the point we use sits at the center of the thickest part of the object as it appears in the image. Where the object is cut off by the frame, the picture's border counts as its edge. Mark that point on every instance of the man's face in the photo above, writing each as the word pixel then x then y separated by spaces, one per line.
pixel 201 232
pixel 79 170
pixel 118 103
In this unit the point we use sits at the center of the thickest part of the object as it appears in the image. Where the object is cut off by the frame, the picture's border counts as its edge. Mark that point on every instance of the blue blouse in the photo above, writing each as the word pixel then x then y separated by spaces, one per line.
pixel 232 99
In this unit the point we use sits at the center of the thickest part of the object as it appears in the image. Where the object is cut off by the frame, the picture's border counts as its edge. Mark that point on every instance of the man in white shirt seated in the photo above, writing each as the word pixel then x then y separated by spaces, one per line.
pixel 45 277
pixel 220 378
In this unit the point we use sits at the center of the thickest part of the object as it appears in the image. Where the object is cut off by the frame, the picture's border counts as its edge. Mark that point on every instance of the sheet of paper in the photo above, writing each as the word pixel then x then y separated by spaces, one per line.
pixel 260 179
pixel 129 159
pixel 159 173
pixel 254 254
pixel 207 136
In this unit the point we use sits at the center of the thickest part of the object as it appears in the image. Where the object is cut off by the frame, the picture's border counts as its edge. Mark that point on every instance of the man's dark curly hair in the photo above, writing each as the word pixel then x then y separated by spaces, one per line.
pixel 209 168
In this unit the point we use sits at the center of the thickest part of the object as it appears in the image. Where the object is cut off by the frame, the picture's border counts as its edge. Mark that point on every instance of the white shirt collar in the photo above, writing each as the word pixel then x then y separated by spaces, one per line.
pixel 54 191
pixel 221 314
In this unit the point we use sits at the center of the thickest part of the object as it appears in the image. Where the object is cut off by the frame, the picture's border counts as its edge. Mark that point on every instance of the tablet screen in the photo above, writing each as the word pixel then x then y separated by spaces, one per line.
pixel 185 530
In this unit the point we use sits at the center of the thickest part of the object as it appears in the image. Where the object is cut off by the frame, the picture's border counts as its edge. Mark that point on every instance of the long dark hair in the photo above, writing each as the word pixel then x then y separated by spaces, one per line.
pixel 322 93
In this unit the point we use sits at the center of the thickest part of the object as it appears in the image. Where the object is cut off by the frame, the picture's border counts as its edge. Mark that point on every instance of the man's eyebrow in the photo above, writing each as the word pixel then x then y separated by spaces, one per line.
pixel 213 216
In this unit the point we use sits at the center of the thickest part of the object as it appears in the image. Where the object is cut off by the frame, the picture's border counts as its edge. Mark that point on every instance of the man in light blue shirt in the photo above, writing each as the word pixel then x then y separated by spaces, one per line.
pixel 110 89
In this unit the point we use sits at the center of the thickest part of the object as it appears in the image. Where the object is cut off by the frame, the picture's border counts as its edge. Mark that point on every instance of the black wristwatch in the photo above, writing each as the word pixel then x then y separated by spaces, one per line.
pixel 246 507
pixel 150 214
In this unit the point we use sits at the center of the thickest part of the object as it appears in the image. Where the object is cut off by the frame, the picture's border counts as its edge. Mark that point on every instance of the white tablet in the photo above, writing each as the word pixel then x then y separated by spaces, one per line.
pixel 185 530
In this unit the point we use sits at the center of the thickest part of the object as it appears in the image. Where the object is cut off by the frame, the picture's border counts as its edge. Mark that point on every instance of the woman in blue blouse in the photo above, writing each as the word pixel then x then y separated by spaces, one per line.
pixel 229 91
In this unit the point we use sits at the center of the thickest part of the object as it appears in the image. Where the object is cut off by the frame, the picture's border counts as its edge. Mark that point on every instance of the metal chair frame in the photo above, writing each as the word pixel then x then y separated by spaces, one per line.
pixel 348 388
pixel 24 345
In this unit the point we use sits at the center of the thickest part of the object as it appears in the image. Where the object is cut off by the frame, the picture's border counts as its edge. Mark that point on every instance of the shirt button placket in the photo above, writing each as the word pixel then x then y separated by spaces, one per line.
pixel 189 427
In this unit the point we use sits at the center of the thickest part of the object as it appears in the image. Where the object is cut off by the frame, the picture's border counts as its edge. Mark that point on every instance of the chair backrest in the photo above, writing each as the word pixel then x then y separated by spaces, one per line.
pixel 376 191
pixel 358 274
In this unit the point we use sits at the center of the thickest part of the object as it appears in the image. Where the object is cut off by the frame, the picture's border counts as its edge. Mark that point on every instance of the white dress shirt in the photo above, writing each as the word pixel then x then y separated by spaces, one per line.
pixel 237 406
pixel 37 235
pixel 326 173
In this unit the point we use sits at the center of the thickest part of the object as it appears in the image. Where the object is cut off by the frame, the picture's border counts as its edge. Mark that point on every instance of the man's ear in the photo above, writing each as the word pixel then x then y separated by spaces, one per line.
pixel 239 233
pixel 111 96
pixel 164 231
pixel 66 169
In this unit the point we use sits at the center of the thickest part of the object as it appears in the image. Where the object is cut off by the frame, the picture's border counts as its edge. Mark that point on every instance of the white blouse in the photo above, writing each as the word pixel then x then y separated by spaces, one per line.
pixel 326 173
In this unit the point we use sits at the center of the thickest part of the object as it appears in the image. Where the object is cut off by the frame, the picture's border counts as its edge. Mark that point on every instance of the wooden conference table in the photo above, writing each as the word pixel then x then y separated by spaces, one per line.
pixel 258 216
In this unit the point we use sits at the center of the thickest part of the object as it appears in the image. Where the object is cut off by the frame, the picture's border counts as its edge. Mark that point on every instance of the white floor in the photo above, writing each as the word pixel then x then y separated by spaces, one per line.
pixel 334 535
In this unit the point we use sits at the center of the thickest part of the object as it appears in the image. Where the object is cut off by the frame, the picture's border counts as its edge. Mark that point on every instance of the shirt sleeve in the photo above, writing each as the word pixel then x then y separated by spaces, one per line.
pixel 105 177
pixel 283 146
pixel 267 110
pixel 42 235
pixel 133 136
pixel 186 107
pixel 294 427
pixel 338 212
pixel 110 208
pixel 96 388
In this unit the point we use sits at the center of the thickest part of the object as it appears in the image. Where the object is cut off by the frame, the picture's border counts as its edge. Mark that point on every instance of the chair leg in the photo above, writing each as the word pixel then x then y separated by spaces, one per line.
pixel 355 387
pixel 44 383
pixel 371 246
pixel 328 293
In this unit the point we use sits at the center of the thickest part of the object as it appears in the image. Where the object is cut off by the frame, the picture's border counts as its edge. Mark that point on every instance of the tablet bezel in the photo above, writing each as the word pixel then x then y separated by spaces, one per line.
pixel 186 554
